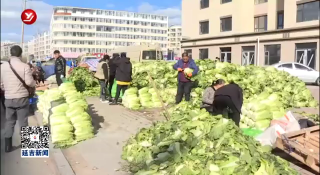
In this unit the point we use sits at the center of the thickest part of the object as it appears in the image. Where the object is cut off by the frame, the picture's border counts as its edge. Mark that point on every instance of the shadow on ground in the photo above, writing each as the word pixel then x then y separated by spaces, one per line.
pixel 97 120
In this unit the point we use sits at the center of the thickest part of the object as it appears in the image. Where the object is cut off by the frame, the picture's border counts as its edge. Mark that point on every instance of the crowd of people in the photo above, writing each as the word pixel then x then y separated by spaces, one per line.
pixel 117 68
pixel 19 80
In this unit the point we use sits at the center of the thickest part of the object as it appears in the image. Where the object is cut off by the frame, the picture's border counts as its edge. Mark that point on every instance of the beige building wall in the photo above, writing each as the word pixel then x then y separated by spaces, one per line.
pixel 243 32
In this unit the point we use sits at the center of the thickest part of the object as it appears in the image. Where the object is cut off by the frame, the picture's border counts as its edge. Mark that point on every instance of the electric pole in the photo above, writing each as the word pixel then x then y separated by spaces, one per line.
pixel 22 30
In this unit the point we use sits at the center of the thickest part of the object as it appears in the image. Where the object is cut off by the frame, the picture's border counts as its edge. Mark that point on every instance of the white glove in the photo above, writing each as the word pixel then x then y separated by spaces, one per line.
pixel 61 76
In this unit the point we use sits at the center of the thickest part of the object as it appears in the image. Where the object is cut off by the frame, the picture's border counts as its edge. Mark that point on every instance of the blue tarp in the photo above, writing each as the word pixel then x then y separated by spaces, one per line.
pixel 49 70
pixel 69 63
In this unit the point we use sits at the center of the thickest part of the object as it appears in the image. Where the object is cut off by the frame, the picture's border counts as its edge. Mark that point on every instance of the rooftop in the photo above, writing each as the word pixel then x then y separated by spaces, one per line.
pixel 68 7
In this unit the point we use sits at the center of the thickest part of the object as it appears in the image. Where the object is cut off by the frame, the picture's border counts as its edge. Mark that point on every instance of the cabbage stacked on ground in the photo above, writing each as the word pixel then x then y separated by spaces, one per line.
pixel 194 142
pixel 44 103
pixel 145 98
pixel 260 110
pixel 252 79
pixel 130 99
pixel 76 113
pixel 52 104
pixel 61 127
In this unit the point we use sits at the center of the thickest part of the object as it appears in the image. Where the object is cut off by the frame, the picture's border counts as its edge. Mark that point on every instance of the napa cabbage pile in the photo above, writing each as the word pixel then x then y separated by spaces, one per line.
pixel 44 102
pixel 61 127
pixel 64 110
pixel 130 99
pixel 53 107
pixel 80 119
pixel 253 80
pixel 258 112
pixel 195 143
pixel 146 98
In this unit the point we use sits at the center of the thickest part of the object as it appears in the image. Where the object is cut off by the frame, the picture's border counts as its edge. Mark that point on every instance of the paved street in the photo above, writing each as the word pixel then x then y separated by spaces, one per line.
pixel 102 154
pixel 315 91
pixel 13 164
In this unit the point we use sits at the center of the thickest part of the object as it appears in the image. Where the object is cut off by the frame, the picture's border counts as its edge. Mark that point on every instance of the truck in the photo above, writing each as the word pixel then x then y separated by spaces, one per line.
pixel 88 60
pixel 139 53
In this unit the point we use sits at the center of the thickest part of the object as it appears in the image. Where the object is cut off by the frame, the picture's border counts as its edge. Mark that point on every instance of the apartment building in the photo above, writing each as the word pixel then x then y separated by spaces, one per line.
pixel 260 32
pixel 174 40
pixel 5 49
pixel 81 30
pixel 40 46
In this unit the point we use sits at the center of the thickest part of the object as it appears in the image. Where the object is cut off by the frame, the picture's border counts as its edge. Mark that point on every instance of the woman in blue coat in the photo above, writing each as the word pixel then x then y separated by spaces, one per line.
pixel 184 81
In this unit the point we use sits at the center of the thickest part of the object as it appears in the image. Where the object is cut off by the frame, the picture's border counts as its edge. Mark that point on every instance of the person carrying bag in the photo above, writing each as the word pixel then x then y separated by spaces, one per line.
pixel 18 86
pixel 31 90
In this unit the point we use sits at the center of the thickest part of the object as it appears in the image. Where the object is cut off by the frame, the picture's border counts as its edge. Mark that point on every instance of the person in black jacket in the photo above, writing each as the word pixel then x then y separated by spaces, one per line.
pixel 123 76
pixel 113 68
pixel 60 67
pixel 230 98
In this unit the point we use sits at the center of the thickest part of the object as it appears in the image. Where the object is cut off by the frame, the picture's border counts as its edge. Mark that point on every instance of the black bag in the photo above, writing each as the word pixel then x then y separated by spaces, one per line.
pixel 31 90
pixel 306 123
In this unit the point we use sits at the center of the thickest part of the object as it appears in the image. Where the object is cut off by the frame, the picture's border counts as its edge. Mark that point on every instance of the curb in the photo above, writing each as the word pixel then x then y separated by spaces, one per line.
pixel 63 165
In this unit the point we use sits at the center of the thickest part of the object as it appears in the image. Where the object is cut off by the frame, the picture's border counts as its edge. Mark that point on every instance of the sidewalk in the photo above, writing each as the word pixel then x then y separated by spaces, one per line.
pixel 102 154
pixel 13 164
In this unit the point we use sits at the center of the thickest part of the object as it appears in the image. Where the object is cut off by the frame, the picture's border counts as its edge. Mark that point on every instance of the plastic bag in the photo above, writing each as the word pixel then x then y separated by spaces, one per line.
pixel 288 122
pixel 270 135
pixel 251 132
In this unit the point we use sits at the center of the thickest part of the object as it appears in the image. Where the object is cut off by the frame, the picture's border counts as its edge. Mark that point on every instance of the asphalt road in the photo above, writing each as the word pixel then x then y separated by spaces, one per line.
pixel 315 91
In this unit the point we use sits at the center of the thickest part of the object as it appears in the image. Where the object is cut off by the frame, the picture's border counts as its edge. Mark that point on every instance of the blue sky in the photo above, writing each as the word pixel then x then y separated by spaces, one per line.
pixel 11 11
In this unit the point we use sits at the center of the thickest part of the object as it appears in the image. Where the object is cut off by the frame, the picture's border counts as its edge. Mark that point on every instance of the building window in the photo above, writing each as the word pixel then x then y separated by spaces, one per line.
pixel 272 54
pixel 306 54
pixel 260 1
pixel 225 54
pixel 248 55
pixel 203 54
pixel 225 1
pixel 204 4
pixel 204 27
pixel 189 52
pixel 308 11
pixel 260 23
pixel 280 18
pixel 226 24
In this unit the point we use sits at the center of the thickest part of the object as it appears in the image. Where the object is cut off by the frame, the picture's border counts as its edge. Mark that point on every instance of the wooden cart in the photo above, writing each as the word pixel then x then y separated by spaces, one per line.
pixel 303 145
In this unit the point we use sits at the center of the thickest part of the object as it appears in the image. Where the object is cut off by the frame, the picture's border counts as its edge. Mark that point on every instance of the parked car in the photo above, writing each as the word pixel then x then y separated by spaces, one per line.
pixel 303 72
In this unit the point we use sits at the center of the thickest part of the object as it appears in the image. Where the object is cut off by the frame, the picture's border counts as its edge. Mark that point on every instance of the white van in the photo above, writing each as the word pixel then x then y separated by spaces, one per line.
pixel 140 53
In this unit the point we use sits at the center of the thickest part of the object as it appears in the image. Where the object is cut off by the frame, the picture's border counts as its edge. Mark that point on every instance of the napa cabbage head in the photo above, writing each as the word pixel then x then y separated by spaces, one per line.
pixel 188 71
